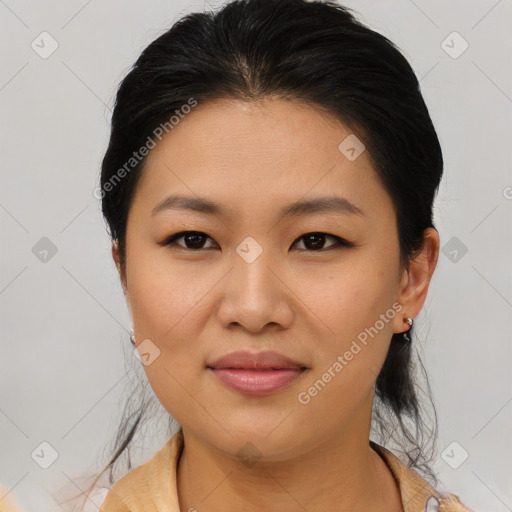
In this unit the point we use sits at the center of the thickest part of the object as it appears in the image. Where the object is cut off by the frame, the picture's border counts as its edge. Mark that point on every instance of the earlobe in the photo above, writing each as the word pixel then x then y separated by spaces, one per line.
pixel 416 281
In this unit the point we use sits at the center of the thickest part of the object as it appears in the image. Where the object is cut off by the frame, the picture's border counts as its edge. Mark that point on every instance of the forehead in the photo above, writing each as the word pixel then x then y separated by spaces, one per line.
pixel 262 154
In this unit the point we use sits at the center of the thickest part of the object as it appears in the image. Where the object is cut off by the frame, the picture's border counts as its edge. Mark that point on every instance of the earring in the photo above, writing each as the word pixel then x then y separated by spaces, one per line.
pixel 132 337
pixel 407 339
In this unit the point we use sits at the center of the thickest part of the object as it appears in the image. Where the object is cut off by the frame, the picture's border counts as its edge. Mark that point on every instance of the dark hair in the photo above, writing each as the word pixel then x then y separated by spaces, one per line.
pixel 315 52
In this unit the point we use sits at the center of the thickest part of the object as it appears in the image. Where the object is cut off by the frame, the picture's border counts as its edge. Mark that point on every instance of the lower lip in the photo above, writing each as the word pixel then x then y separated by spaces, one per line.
pixel 253 382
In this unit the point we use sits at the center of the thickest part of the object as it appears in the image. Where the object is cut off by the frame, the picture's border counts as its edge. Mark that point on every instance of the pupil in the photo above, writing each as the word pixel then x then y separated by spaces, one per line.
pixel 319 240
pixel 196 241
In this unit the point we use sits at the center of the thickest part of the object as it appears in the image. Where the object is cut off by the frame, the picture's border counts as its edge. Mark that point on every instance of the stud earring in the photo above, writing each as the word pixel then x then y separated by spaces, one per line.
pixel 407 338
pixel 132 337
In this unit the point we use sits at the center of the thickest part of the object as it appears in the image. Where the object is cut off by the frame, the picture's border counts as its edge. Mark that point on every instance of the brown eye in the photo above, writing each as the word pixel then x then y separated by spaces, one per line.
pixel 315 241
pixel 193 240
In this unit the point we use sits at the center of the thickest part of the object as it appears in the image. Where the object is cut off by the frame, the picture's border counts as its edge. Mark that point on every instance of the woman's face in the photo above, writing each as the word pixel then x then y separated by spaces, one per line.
pixel 251 281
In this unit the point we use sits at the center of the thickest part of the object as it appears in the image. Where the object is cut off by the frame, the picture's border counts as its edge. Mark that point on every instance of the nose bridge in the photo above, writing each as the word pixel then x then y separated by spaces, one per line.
pixel 254 296
pixel 251 271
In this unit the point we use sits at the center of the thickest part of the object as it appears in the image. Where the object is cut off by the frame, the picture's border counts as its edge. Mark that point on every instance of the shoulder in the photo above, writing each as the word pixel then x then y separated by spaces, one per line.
pixel 417 494
pixel 451 503
pixel 119 498
pixel 143 487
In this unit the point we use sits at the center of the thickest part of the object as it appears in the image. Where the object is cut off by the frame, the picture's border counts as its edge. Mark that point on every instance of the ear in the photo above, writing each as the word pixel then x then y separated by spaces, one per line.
pixel 117 260
pixel 415 281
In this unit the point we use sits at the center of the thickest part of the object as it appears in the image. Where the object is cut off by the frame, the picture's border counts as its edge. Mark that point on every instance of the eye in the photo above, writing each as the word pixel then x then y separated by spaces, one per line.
pixel 194 240
pixel 315 240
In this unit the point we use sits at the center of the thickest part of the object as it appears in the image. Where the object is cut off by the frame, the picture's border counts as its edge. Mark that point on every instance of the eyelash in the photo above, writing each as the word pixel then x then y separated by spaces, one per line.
pixel 171 241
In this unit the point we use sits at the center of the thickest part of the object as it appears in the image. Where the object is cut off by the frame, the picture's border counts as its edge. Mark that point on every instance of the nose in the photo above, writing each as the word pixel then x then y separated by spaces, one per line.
pixel 256 295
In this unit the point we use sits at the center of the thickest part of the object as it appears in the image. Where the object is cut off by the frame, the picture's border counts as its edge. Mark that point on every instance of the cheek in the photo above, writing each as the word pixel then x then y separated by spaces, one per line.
pixel 351 356
pixel 351 298
pixel 167 303
pixel 356 306
pixel 163 296
pixel 167 310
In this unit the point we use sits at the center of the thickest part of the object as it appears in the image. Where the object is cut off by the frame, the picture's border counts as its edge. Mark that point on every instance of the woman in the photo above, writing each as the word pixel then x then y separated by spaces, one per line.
pixel 268 188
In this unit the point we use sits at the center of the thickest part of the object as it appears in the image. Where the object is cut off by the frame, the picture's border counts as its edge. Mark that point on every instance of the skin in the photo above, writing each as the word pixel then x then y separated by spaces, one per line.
pixel 199 304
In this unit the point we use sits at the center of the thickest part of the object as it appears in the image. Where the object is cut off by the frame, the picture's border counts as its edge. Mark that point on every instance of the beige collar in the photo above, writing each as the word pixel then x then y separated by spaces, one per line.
pixel 152 485
pixel 414 490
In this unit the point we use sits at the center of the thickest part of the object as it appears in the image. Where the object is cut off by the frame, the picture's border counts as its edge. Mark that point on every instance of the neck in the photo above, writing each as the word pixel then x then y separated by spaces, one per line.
pixel 342 469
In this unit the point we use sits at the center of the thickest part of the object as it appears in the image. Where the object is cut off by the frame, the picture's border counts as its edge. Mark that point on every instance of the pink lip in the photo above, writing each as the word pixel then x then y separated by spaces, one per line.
pixel 256 374
pixel 257 382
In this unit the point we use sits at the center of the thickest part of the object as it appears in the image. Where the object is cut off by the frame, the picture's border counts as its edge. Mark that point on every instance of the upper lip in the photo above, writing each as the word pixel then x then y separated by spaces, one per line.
pixel 255 361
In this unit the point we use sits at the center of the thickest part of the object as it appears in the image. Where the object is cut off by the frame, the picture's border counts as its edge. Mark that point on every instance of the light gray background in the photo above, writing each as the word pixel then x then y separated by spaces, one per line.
pixel 64 322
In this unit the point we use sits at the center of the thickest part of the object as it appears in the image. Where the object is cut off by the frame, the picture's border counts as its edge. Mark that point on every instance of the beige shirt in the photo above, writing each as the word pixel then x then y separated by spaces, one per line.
pixel 152 485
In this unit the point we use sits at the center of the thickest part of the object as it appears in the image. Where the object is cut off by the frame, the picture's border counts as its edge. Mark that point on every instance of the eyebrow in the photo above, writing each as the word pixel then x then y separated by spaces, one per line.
pixel 325 204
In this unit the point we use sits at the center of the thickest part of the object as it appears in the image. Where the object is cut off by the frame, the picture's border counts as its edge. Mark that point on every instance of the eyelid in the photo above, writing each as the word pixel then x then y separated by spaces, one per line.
pixel 172 239
pixel 340 242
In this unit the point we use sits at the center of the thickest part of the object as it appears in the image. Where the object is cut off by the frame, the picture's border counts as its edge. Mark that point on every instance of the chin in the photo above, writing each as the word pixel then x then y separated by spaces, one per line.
pixel 258 440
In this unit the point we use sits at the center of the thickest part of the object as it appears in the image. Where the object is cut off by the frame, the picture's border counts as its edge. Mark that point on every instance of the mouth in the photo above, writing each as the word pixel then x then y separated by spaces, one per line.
pixel 256 374
pixel 257 382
